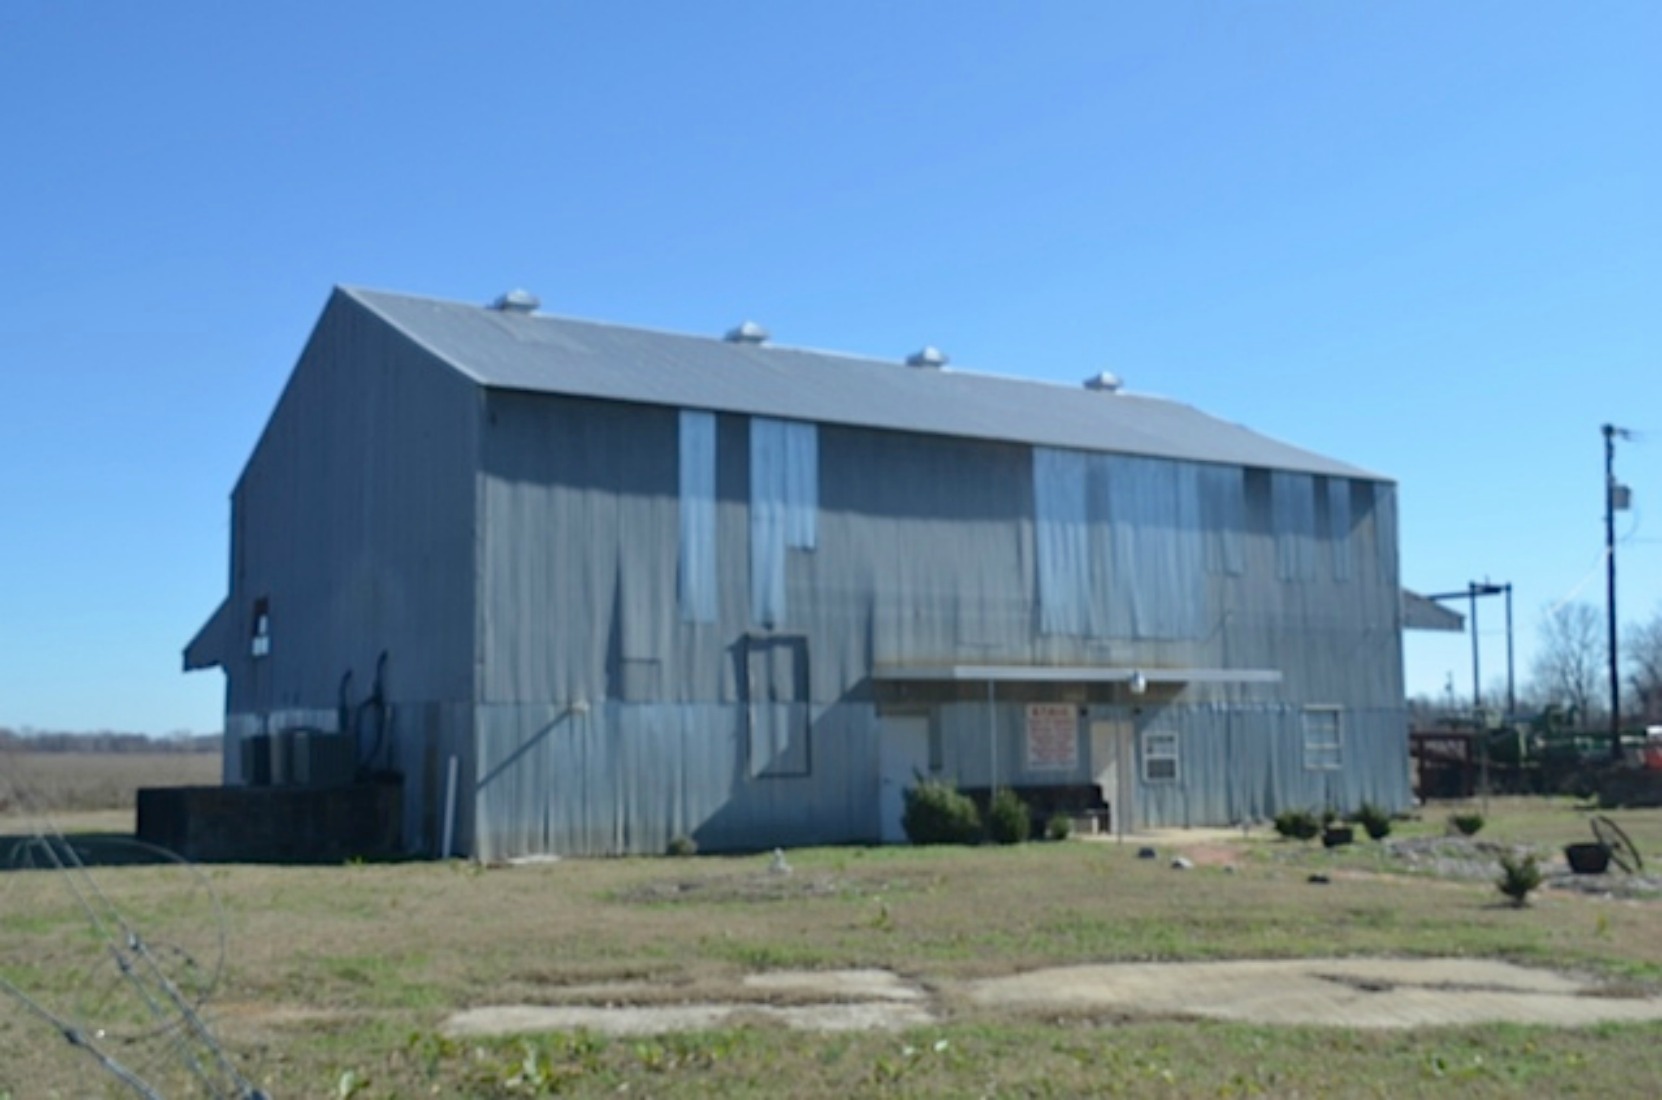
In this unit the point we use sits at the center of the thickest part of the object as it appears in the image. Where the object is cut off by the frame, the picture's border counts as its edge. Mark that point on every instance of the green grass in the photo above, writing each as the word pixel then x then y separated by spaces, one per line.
pixel 354 969
pixel 1064 1058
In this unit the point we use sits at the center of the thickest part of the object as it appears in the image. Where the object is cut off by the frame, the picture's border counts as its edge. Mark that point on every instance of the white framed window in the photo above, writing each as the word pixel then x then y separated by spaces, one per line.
pixel 259 632
pixel 1159 757
pixel 1324 740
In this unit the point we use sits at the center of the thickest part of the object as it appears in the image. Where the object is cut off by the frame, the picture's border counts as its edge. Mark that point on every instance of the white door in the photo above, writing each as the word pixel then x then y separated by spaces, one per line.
pixel 1114 762
pixel 903 755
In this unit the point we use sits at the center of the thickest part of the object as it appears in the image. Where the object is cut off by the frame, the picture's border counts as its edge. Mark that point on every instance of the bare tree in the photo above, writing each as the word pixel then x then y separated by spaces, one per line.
pixel 1644 660
pixel 1570 664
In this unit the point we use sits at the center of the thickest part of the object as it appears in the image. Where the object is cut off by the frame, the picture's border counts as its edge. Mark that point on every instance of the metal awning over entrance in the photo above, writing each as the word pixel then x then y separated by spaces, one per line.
pixel 1071 674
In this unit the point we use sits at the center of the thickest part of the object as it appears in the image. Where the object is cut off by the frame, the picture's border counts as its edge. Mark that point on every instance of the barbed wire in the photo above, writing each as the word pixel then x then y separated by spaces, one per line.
pixel 144 996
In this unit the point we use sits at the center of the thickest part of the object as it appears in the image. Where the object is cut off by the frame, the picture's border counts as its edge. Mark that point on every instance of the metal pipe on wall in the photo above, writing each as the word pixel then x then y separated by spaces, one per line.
pixel 992 741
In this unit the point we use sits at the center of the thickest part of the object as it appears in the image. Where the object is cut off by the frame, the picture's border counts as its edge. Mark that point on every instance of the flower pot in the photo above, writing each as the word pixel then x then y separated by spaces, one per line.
pixel 1587 859
pixel 1335 835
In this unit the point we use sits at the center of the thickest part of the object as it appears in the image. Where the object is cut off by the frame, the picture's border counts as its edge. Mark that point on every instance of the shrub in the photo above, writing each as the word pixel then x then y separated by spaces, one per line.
pixel 1518 876
pixel 1466 824
pixel 936 813
pixel 1059 827
pixel 1297 824
pixel 1007 818
pixel 1375 820
pixel 683 846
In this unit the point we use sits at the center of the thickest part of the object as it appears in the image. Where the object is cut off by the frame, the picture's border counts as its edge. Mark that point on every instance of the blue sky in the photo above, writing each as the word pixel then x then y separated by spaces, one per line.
pixel 1425 238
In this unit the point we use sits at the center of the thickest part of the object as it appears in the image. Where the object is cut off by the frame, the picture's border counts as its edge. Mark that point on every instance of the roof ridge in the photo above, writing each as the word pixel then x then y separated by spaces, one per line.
pixel 605 360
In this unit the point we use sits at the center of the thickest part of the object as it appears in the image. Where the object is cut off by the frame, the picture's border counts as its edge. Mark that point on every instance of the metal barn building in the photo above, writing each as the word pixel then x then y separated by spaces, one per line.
pixel 640 585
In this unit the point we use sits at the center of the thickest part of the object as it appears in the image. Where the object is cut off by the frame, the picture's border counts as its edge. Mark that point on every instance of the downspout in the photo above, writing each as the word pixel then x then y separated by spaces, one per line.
pixel 992 741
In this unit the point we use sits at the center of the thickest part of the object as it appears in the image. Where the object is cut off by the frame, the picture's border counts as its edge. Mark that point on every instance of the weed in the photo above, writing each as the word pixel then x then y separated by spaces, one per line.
pixel 1518 877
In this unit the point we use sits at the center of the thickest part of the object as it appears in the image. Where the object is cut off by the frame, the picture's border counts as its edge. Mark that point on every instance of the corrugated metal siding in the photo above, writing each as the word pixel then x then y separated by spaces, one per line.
pixel 925 554
pixel 1237 760
pixel 696 573
pixel 579 502
pixel 1246 762
pixel 784 508
pixel 1123 543
pixel 353 518
pixel 623 777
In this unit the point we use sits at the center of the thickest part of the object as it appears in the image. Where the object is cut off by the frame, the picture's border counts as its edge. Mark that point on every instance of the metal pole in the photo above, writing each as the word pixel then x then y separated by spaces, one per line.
pixel 1123 732
pixel 992 744
pixel 445 845
pixel 1610 587
pixel 1477 683
pixel 1511 691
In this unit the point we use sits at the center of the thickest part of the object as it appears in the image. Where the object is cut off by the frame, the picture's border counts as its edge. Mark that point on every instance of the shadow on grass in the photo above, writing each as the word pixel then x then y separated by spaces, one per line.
pixel 29 852
pixel 33 852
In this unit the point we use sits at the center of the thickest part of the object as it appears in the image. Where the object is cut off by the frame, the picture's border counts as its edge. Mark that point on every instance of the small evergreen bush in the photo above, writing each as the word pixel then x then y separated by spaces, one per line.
pixel 1297 824
pixel 683 846
pixel 1466 824
pixel 1007 819
pixel 1375 820
pixel 1059 827
pixel 936 813
pixel 1518 876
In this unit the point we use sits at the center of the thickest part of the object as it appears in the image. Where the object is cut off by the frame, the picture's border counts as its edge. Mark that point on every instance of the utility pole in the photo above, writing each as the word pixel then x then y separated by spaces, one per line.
pixel 1477 673
pixel 1616 498
pixel 1511 684
pixel 1470 593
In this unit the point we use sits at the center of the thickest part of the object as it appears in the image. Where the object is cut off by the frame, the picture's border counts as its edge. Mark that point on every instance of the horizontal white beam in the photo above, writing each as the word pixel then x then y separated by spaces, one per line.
pixel 1066 674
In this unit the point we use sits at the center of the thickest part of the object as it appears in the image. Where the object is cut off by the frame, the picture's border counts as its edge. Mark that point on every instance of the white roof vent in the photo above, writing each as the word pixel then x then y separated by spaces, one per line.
pixel 1105 382
pixel 929 356
pixel 748 333
pixel 516 301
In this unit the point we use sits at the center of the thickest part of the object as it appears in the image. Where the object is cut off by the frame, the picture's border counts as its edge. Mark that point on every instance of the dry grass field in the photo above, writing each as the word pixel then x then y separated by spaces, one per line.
pixel 55 782
pixel 343 981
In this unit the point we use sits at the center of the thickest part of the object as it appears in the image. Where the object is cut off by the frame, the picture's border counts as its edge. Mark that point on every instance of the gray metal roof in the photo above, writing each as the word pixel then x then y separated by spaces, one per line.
pixel 546 354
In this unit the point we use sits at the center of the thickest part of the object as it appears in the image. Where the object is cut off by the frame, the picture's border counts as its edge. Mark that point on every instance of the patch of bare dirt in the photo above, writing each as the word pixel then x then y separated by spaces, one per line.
pixel 662 1019
pixel 748 888
pixel 869 985
pixel 1363 993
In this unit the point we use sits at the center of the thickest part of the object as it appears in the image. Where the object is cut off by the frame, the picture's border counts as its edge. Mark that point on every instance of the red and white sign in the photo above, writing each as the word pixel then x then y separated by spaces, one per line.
pixel 1052 737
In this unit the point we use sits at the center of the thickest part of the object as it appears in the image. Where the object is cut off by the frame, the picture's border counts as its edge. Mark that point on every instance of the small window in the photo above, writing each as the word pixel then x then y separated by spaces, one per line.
pixel 1323 739
pixel 1159 758
pixel 259 632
